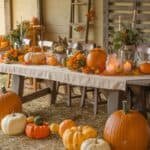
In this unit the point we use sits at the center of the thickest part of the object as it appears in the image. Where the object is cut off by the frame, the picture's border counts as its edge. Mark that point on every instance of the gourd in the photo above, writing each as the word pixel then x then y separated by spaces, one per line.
pixel 145 68
pixel 9 102
pixel 66 124
pixel 51 60
pixel 37 130
pixel 54 128
pixel 95 144
pixel 73 137
pixel 127 130
pixel 35 58
pixel 13 124
pixel 96 59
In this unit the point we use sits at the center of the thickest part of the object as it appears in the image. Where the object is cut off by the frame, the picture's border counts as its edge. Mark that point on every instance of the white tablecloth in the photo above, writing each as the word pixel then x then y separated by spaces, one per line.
pixel 70 77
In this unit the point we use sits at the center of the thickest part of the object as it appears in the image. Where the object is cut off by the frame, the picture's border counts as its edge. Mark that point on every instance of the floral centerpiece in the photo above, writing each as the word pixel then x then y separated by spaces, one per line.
pixel 16 35
pixel 77 61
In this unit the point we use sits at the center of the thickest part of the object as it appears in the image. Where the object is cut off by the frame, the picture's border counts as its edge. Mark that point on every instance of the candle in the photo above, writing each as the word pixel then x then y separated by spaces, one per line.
pixel 127 66
pixel 119 23
pixel 133 19
pixel 21 34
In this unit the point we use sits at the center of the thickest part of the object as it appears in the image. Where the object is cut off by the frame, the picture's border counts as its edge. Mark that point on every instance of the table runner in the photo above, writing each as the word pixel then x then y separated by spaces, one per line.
pixel 61 74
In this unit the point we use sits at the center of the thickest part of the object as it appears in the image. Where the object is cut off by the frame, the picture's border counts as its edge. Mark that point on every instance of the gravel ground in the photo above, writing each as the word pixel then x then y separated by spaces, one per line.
pixel 51 114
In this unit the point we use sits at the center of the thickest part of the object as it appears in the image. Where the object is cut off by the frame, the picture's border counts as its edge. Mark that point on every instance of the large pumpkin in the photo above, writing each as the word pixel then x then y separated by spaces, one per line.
pixel 33 58
pixel 96 59
pixel 73 137
pixel 95 144
pixel 37 130
pixel 9 102
pixel 66 124
pixel 145 68
pixel 13 124
pixel 127 130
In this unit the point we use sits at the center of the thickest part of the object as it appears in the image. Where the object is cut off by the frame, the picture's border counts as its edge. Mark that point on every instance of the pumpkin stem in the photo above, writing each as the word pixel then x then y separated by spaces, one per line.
pixel 125 107
pixel 3 90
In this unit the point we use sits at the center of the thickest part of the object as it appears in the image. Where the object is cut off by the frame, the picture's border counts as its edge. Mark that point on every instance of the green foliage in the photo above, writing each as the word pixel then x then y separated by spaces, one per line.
pixel 127 36
pixel 15 35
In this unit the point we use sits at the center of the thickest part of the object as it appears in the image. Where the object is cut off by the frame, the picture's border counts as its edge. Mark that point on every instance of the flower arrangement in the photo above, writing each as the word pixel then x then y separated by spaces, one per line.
pixel 60 46
pixel 16 35
pixel 77 61
pixel 14 55
pixel 127 34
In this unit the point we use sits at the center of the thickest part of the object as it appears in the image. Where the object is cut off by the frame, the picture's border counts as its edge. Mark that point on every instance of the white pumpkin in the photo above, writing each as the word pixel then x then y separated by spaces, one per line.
pixel 35 58
pixel 95 144
pixel 13 124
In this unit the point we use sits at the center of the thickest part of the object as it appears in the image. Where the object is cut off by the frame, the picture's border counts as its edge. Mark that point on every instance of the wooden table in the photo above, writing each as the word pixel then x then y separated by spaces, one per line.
pixel 113 85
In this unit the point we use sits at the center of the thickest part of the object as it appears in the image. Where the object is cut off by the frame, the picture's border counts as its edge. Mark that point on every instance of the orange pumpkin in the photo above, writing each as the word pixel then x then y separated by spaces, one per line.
pixel 96 59
pixel 145 68
pixel 37 131
pixel 51 60
pixel 127 130
pixel 9 102
pixel 66 124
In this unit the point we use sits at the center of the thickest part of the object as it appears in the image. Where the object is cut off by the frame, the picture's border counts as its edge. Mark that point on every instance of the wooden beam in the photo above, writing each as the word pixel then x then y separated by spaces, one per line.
pixel 40 11
pixel 35 95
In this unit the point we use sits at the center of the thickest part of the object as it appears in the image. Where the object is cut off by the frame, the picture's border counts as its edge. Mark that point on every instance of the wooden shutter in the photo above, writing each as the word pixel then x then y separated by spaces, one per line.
pixel 124 8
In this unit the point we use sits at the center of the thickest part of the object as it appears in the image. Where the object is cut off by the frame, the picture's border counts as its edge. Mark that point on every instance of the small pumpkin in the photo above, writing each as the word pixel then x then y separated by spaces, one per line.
pixel 34 21
pixel 13 124
pixel 145 68
pixel 51 60
pixel 95 144
pixel 37 130
pixel 73 137
pixel 127 130
pixel 66 124
pixel 9 102
pixel 35 58
pixel 54 128
pixel 96 59
pixel 30 119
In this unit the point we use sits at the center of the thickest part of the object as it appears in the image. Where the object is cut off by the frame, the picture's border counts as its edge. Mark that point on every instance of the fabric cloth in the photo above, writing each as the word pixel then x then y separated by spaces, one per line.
pixel 61 74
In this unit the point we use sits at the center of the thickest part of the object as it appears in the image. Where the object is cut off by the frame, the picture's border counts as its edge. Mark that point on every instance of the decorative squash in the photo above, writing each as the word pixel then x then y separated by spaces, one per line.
pixel 73 137
pixel 127 130
pixel 30 119
pixel 9 102
pixel 54 128
pixel 13 124
pixel 38 129
pixel 35 58
pixel 51 60
pixel 145 68
pixel 95 144
pixel 66 124
pixel 96 59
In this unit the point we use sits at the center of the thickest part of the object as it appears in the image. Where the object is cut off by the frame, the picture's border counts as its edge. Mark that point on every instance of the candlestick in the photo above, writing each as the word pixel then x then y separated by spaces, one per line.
pixel 119 23
pixel 133 19
pixel 21 34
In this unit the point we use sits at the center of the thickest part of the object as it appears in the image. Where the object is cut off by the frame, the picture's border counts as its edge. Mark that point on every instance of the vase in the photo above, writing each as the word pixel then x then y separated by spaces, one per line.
pixel 61 57
pixel 127 52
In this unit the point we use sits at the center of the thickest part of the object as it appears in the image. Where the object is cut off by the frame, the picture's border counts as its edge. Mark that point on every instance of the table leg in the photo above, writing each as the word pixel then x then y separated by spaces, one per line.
pixel 53 95
pixel 113 101
pixel 95 100
pixel 18 84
